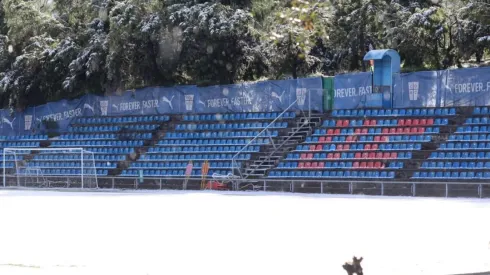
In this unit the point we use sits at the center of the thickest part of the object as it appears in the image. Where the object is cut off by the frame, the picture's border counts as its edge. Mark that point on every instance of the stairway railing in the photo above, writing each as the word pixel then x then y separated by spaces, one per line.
pixel 236 167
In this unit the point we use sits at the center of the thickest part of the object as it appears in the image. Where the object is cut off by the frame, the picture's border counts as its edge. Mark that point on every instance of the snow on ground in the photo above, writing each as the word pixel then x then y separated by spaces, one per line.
pixel 49 232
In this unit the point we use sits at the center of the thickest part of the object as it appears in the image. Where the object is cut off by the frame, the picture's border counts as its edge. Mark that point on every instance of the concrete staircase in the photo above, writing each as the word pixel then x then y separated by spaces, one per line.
pixel 274 153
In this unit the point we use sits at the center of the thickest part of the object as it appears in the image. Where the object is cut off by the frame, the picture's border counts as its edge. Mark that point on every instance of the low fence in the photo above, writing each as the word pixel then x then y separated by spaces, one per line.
pixel 353 187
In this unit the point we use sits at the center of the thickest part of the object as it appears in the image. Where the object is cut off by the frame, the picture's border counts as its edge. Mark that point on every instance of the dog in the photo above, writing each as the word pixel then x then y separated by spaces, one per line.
pixel 353 267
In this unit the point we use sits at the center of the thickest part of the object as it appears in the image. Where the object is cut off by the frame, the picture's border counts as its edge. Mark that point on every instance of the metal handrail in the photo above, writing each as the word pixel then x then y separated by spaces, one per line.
pixel 257 136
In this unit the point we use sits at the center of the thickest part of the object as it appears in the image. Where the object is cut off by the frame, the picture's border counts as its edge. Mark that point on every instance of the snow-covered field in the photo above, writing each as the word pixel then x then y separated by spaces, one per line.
pixel 49 232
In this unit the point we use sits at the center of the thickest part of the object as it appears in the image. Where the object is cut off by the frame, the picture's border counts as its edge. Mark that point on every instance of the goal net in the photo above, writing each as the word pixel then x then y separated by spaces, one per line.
pixel 49 167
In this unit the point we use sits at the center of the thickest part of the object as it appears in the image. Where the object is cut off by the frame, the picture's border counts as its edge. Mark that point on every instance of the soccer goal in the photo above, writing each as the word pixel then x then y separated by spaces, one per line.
pixel 49 167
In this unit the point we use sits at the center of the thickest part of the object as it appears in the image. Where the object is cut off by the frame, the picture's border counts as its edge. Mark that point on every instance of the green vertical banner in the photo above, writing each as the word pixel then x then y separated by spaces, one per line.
pixel 328 93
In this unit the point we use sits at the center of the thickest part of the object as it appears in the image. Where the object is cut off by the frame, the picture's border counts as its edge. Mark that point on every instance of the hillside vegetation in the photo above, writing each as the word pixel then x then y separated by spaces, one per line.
pixel 54 49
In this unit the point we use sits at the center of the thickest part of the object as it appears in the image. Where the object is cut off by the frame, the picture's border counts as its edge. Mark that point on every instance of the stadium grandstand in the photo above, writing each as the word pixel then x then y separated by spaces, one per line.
pixel 287 136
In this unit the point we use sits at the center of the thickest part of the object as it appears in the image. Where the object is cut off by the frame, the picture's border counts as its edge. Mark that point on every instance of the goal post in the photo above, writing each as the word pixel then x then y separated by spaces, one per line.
pixel 49 167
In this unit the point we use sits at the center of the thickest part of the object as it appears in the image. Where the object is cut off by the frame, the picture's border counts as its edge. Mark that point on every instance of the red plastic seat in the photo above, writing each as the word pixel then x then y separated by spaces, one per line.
pixel 407 130
pixel 314 165
pixel 321 140
pixel 366 122
pixel 345 123
pixel 415 122
pixel 423 121
pixel 374 147
pixel 421 130
pixel 329 156
pixel 364 155
pixel 309 156
pixel 357 155
pixel 302 156
pixel 355 164
pixel 430 121
pixel 312 147
pixel 338 123
pixel 386 155
pixel 377 164
pixel 408 122
pixel 308 164
pixel 340 147
pixel 364 131
pixel 349 139
pixel 336 132
pixel 336 156
pixel 401 122
pixel 385 138
pixel 367 147
pixel 362 164
pixel 394 155
pixel 319 147
pixel 399 130
pixel 330 132
pixel 321 164
pixel 373 122
pixel 372 155
pixel 370 164
pixel 346 147
pixel 357 131
pixel 377 139
pixel 393 130
pixel 385 131
pixel 301 165
pixel 328 139
pixel 414 130
pixel 379 155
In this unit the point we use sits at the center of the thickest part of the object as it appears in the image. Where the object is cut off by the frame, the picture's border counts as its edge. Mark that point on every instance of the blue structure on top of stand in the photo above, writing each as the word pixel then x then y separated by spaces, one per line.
pixel 386 68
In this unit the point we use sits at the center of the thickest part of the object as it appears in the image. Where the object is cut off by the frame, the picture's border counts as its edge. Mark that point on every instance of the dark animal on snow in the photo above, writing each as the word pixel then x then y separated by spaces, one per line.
pixel 353 267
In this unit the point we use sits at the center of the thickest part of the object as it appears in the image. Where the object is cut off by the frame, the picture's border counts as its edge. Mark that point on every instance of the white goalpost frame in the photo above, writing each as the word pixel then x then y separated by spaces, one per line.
pixel 81 151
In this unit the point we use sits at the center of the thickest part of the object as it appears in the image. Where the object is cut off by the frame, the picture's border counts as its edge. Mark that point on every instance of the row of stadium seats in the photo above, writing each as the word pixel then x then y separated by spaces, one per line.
pixel 474 137
pixel 377 131
pixel 340 165
pixel 347 156
pixel 96 129
pixel 455 165
pixel 105 136
pixel 25 137
pixel 71 164
pixel 228 126
pixel 172 157
pixel 109 150
pixel 451 175
pixel 238 116
pixel 119 120
pixel 234 134
pixel 360 147
pixel 333 174
pixel 68 157
pixel 32 144
pixel 460 155
pixel 464 145
pixel 473 129
pixel 478 120
pixel 395 112
pixel 170 165
pixel 11 158
pixel 83 143
pixel 239 141
pixel 481 111
pixel 169 173
pixel 386 122
pixel 203 149
pixel 73 172
pixel 360 139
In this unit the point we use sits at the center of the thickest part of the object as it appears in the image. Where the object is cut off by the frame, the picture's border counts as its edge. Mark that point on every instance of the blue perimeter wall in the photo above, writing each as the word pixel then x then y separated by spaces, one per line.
pixel 463 87
pixel 268 96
